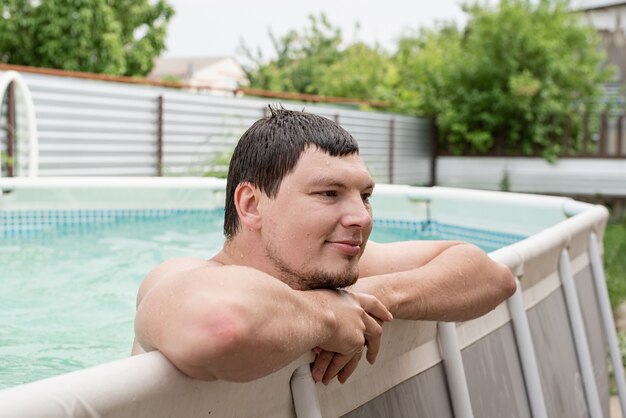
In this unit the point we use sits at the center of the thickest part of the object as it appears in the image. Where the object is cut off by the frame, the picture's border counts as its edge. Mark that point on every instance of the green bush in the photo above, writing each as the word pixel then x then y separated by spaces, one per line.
pixel 615 261
pixel 514 75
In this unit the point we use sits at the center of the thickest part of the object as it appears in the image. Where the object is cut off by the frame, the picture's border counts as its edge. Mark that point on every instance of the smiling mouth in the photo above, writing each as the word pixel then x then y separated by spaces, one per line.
pixel 349 248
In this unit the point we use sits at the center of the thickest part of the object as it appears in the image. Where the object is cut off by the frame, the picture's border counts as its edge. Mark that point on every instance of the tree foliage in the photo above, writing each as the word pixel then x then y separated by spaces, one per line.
pixel 314 61
pixel 119 37
pixel 517 77
pixel 519 74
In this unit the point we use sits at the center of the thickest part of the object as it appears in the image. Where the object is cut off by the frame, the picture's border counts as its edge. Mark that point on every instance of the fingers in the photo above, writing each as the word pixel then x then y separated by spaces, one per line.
pixel 338 363
pixel 349 368
pixel 376 313
pixel 339 356
pixel 373 336
pixel 320 365
pixel 329 365
pixel 373 306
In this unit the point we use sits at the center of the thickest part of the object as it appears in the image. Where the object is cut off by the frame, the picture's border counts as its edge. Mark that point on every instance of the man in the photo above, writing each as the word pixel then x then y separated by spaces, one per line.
pixel 297 222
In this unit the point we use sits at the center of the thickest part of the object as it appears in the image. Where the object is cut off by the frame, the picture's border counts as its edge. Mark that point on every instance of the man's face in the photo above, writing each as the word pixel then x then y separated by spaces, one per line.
pixel 315 230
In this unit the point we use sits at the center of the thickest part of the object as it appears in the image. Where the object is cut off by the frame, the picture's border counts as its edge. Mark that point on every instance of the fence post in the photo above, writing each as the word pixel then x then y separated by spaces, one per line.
pixel 585 149
pixel 434 152
pixel 567 137
pixel 10 129
pixel 604 135
pixel 392 145
pixel 620 121
pixel 160 135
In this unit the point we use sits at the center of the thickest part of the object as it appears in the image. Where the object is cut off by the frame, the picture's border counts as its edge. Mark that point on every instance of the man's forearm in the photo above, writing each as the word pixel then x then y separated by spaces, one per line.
pixel 461 283
pixel 236 323
pixel 232 329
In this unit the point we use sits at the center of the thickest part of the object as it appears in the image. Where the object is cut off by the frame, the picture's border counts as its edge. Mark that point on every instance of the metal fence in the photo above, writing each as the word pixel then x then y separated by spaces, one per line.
pixel 568 176
pixel 103 128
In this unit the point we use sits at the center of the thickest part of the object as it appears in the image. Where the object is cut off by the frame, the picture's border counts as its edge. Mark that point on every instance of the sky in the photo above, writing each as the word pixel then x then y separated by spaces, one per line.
pixel 207 28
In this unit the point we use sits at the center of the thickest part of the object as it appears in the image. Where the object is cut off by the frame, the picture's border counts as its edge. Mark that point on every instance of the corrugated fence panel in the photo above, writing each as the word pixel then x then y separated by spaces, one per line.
pixel 89 128
pixel 84 127
pixel 534 175
pixel 407 167
pixel 200 132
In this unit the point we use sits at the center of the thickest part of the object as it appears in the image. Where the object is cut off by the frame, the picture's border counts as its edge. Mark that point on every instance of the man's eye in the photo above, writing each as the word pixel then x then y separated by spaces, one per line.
pixel 329 193
pixel 366 197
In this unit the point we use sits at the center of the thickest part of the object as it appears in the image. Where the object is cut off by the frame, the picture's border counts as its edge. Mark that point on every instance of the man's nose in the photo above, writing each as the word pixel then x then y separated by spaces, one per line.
pixel 357 213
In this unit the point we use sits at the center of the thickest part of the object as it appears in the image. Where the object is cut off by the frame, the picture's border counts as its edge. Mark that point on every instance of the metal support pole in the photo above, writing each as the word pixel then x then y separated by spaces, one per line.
pixel 11 129
pixel 455 373
pixel 586 134
pixel 607 318
pixel 526 351
pixel 604 135
pixel 620 123
pixel 567 137
pixel 304 393
pixel 580 336
pixel 434 152
pixel 160 135
pixel 392 145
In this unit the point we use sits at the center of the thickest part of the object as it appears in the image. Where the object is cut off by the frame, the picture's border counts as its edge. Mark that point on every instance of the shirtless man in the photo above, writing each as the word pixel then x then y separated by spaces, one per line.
pixel 297 222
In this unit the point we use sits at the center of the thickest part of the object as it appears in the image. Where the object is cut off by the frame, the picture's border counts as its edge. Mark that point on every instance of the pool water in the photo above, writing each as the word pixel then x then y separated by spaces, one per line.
pixel 68 288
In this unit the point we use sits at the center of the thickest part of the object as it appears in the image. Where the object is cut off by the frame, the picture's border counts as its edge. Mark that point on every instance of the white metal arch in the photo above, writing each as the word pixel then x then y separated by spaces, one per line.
pixel 7 78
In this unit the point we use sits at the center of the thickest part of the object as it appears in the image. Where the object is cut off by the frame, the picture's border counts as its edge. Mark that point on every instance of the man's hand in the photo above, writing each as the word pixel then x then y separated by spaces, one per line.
pixel 359 325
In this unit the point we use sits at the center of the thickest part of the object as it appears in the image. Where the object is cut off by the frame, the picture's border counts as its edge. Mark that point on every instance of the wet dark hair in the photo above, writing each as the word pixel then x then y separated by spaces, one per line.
pixel 271 148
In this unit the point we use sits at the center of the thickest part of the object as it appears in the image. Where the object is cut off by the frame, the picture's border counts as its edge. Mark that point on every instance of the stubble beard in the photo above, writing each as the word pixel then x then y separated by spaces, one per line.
pixel 310 278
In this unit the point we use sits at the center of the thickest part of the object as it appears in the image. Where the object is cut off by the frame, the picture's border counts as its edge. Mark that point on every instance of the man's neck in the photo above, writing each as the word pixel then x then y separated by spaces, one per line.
pixel 244 251
pixel 248 251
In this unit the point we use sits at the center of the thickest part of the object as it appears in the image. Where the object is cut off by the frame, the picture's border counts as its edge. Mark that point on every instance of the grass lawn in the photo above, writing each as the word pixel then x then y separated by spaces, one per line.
pixel 615 261
pixel 615 270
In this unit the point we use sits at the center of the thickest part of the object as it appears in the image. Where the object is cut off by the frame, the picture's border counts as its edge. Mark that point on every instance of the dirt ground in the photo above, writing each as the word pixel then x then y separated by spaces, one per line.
pixel 615 409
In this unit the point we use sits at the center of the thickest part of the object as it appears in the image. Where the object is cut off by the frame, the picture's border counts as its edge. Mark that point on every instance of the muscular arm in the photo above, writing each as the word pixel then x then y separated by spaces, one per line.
pixel 236 323
pixel 434 280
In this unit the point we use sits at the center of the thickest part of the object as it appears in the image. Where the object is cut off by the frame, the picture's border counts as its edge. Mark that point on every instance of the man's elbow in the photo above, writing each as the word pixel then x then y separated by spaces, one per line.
pixel 500 286
pixel 499 281
pixel 499 277
pixel 210 347
pixel 506 282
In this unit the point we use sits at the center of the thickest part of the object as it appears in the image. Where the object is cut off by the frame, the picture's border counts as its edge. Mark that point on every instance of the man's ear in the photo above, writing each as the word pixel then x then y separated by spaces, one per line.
pixel 247 199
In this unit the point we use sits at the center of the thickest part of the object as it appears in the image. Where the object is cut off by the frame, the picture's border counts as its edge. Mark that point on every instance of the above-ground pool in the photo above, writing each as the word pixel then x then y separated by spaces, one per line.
pixel 74 251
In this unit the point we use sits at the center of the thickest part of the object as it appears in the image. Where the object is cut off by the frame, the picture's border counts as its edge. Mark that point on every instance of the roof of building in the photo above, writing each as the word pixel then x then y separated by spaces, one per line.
pixel 585 5
pixel 182 67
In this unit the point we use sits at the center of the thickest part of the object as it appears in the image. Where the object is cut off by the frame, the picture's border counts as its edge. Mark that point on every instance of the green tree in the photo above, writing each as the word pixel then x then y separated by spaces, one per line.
pixel 300 58
pixel 516 75
pixel 119 37
pixel 314 61
pixel 361 72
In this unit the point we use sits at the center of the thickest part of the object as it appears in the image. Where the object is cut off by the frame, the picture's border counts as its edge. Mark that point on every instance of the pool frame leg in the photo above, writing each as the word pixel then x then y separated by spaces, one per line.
pixel 455 373
pixel 304 394
pixel 526 351
pixel 580 336
pixel 608 322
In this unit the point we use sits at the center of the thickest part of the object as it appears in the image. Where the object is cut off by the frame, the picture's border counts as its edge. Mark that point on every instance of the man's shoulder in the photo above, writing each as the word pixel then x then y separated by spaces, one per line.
pixel 171 268
pixel 179 264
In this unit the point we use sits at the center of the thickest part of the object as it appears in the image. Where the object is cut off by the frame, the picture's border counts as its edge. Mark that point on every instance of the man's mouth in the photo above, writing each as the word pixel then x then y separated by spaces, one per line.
pixel 349 247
